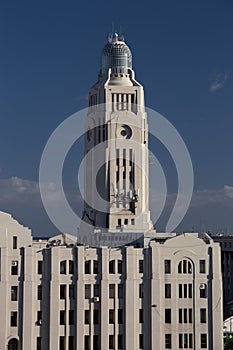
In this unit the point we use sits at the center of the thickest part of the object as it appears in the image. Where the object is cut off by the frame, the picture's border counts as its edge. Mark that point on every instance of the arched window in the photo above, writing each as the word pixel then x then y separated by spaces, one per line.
pixel 185 266
pixel 13 344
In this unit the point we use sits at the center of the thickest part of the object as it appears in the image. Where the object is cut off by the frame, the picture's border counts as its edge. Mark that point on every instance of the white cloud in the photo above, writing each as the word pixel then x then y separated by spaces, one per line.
pixel 219 82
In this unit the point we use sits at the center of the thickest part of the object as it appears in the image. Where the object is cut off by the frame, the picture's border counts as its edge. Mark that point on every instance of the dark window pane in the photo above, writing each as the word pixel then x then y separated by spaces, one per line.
pixel 87 291
pixel 112 266
pixel 140 266
pixel 13 319
pixel 62 317
pixel 39 267
pixel 62 291
pixel 167 290
pixel 167 266
pixel 63 267
pixel 202 266
pixel 168 316
pixel 39 292
pixel 14 293
pixel 119 266
pixel 15 242
pixel 168 341
pixel 87 267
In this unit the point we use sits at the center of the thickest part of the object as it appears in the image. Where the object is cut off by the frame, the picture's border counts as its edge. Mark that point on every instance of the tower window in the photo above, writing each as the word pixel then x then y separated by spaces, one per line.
pixel 62 291
pixel 119 266
pixel 96 316
pixel 63 267
pixel 87 291
pixel 39 267
pixel 62 317
pixel 14 267
pixel 140 266
pixel 203 315
pixel 112 291
pixel 15 242
pixel 14 319
pixel 141 291
pixel 112 266
pixel 39 292
pixel 119 222
pixel 14 293
pixel 88 267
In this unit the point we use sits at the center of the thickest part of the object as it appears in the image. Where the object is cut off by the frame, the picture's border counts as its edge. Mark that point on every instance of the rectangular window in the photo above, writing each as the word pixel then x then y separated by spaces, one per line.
pixel 120 341
pixel 62 343
pixel 185 316
pixel 180 290
pixel 87 317
pixel 112 266
pixel 140 266
pixel 63 267
pixel 96 290
pixel 190 315
pixel 203 290
pixel 39 292
pixel 71 267
pixel 202 266
pixel 96 316
pixel 13 319
pixel 185 290
pixel 190 341
pixel 71 291
pixel 62 317
pixel 39 317
pixel 87 267
pixel 120 316
pixel 112 291
pixel 95 267
pixel 62 291
pixel 185 340
pixel 15 242
pixel 167 266
pixel 96 344
pixel 14 268
pixel 111 341
pixel 87 291
pixel 14 293
pixel 141 291
pixel 141 316
pixel 180 341
pixel 71 342
pixel 141 341
pixel 203 315
pixel 167 290
pixel 111 316
pixel 87 342
pixel 168 317
pixel 120 291
pixel 168 341
pixel 190 290
pixel 38 343
pixel 39 267
pixel 119 266
pixel 203 341
pixel 180 316
pixel 71 317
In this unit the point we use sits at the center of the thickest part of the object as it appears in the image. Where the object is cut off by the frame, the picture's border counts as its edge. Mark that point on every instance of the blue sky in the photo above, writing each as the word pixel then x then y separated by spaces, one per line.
pixel 182 54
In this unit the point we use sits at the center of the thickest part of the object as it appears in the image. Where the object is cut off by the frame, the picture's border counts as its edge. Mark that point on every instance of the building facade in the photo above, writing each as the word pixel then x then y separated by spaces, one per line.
pixel 56 294
pixel 158 291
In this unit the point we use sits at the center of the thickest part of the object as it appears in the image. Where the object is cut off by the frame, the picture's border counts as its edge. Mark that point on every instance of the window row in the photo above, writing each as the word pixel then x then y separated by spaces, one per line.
pixel 185 290
pixel 185 341
pixel 184 266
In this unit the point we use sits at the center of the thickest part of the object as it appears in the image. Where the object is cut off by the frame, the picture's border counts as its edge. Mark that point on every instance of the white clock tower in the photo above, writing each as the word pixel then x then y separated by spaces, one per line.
pixel 116 148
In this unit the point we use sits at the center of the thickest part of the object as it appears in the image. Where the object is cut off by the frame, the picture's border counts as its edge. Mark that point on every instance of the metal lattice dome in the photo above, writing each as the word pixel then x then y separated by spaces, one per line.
pixel 116 55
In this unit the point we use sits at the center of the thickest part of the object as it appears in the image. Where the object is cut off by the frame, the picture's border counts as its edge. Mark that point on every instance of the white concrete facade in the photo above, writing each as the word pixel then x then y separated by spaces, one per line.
pixel 165 296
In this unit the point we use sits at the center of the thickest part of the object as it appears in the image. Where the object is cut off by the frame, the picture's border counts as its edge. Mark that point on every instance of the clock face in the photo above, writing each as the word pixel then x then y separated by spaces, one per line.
pixel 126 132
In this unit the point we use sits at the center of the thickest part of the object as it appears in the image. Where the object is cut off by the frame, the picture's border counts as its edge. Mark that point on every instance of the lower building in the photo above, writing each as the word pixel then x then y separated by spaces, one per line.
pixel 59 295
